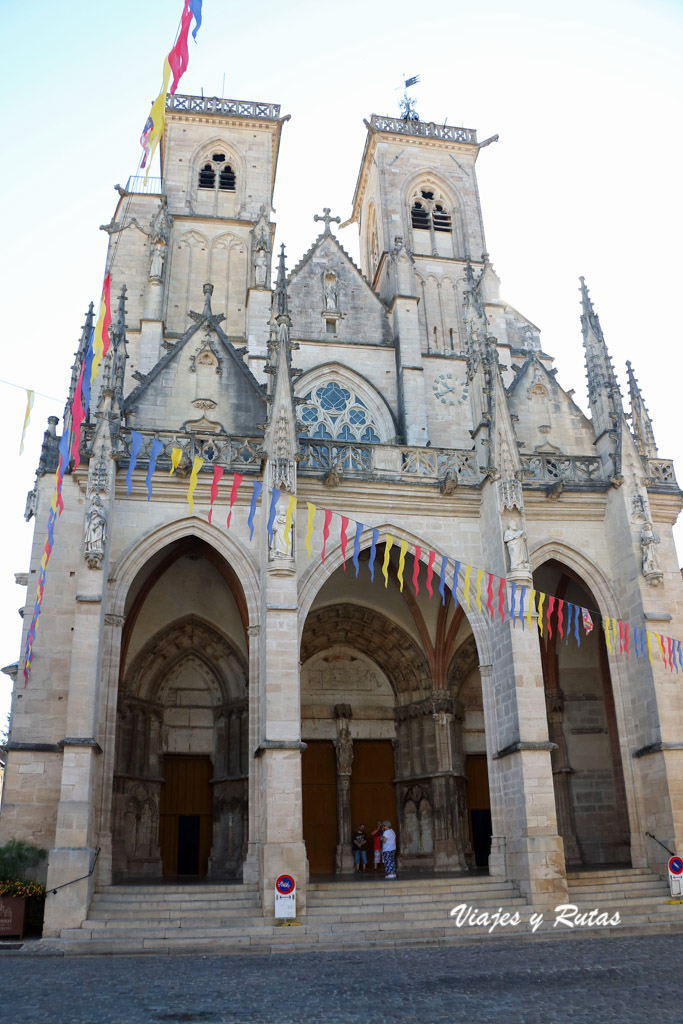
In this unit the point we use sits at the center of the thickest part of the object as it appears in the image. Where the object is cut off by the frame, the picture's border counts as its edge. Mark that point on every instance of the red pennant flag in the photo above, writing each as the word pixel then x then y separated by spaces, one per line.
pixel 621 637
pixel 430 569
pixel 671 664
pixel 489 594
pixel 344 528
pixel 416 568
pixel 626 639
pixel 217 474
pixel 77 417
pixel 501 599
pixel 179 56
pixel 551 605
pixel 236 481
pixel 326 530
pixel 560 605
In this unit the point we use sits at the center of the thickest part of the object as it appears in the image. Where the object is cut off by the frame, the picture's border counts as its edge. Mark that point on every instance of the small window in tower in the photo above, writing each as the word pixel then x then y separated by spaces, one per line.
pixel 218 158
pixel 420 216
pixel 226 181
pixel 442 219
pixel 207 177
pixel 331 326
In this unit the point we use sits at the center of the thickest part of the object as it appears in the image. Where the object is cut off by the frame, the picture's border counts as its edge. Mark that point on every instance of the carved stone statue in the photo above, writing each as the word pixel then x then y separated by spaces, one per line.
pixel 260 267
pixel 279 545
pixel 95 533
pixel 344 750
pixel 331 292
pixel 156 269
pixel 648 545
pixel 515 539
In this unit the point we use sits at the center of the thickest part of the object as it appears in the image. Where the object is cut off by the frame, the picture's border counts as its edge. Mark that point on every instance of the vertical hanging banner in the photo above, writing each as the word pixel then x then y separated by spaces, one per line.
pixel 373 552
pixel 155 451
pixel 344 539
pixel 416 569
pixel 101 338
pixel 197 464
pixel 326 530
pixel 30 398
pixel 217 474
pixel 430 570
pixel 291 505
pixel 356 546
pixel 466 593
pixel 489 594
pixel 539 618
pixel 513 599
pixel 385 565
pixel 309 527
pixel 402 562
pixel 480 574
pixel 274 498
pixel 236 481
pixel 442 578
pixel 176 456
pixel 456 572
pixel 135 446
pixel 501 599
pixel 258 487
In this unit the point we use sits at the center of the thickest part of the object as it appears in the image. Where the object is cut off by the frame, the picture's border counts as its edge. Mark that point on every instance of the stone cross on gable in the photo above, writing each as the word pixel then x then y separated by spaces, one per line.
pixel 328 220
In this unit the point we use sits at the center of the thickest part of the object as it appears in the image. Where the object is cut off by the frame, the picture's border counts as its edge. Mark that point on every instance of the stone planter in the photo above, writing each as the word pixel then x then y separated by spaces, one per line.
pixel 12 916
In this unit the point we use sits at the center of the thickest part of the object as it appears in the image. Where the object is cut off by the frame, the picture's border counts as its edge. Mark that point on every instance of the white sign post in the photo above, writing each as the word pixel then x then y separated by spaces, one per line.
pixel 285 898
pixel 676 876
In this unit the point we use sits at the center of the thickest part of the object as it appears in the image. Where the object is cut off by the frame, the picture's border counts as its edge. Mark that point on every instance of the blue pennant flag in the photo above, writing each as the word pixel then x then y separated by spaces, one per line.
pixel 196 8
pixel 356 545
pixel 513 599
pixel 157 446
pixel 456 571
pixel 135 446
pixel 576 624
pixel 258 487
pixel 521 607
pixel 274 498
pixel 442 579
pixel 373 549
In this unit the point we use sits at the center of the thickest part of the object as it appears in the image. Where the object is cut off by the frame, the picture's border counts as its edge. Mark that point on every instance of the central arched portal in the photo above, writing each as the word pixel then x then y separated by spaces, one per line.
pixel 181 765
pixel 392 718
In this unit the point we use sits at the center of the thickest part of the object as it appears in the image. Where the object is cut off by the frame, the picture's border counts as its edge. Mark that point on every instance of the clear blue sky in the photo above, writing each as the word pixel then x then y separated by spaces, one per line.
pixel 586 99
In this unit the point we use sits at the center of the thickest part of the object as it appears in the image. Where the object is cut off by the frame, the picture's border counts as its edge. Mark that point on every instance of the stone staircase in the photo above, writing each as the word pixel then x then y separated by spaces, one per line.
pixel 359 913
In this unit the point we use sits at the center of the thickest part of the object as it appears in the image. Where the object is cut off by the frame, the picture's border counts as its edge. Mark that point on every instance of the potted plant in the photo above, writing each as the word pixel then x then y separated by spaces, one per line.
pixel 21 898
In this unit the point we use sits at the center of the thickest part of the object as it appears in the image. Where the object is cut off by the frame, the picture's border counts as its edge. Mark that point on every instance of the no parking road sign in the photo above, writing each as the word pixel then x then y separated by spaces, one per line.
pixel 676 876
pixel 285 897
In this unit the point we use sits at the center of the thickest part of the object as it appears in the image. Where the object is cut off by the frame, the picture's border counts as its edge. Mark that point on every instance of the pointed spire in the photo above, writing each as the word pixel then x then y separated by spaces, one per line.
pixel 604 394
pixel 119 344
pixel 641 424
pixel 86 331
pixel 280 299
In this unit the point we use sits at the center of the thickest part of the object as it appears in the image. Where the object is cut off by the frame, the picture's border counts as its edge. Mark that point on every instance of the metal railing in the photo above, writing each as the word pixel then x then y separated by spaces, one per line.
pixel 137 184
pixel 222 107
pixel 422 129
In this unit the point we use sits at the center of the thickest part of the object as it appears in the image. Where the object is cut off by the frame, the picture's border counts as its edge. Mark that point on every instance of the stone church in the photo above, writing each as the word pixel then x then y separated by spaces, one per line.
pixel 204 703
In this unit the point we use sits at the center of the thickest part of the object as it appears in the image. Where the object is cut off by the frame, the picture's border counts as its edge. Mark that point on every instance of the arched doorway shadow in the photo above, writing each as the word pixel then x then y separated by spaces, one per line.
pixel 181 765
pixel 588 776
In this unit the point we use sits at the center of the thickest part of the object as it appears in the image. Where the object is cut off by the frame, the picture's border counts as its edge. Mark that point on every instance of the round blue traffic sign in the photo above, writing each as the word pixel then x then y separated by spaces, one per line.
pixel 286 884
pixel 676 866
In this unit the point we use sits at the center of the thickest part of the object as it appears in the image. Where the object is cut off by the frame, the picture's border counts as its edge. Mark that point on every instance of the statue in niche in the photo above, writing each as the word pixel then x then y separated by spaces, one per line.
pixel 344 750
pixel 260 267
pixel 648 545
pixel 331 292
pixel 279 546
pixel 515 540
pixel 95 533
pixel 158 258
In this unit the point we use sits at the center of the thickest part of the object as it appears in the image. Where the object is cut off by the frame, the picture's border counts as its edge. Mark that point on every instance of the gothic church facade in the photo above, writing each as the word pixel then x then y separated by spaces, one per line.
pixel 204 702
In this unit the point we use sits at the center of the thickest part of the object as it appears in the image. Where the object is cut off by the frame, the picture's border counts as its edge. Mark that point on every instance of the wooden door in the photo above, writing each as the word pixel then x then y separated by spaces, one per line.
pixel 186 815
pixel 372 788
pixel 479 807
pixel 319 795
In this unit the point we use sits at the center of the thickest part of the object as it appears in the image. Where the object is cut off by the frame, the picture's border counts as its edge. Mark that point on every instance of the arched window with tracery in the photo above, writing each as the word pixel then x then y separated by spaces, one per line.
pixel 333 411
pixel 216 173
pixel 432 222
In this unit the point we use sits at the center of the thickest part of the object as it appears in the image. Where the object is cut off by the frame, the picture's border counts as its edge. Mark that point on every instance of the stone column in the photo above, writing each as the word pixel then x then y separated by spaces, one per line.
pixel 450 814
pixel 111 660
pixel 344 748
pixel 561 771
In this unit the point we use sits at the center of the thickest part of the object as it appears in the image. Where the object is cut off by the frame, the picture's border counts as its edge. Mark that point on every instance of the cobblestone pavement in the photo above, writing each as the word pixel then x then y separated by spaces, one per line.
pixel 626 979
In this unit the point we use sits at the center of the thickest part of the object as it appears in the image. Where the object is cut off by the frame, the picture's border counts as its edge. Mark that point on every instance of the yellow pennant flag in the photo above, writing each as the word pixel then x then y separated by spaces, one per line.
pixel 531 609
pixel 480 574
pixel 539 621
pixel 309 526
pixel 30 396
pixel 176 456
pixel 157 116
pixel 385 566
pixel 291 505
pixel 649 644
pixel 196 466
pixel 402 562
pixel 466 592
pixel 608 638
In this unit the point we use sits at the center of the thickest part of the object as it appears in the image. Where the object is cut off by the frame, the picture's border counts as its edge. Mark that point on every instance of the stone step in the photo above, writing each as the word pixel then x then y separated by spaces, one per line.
pixel 227 888
pixel 622 889
pixel 407 893
pixel 608 873
pixel 417 884
pixel 109 903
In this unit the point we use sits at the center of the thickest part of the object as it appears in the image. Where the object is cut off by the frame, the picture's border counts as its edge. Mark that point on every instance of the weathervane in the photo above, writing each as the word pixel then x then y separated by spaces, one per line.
pixel 407 104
